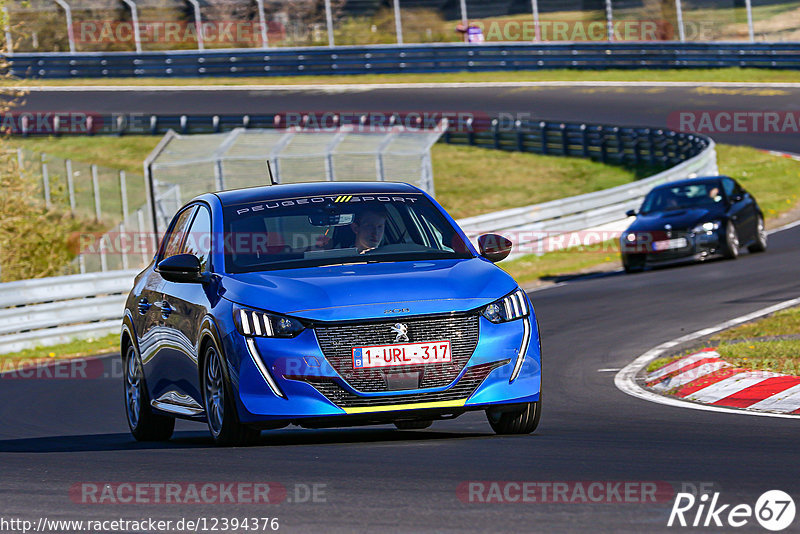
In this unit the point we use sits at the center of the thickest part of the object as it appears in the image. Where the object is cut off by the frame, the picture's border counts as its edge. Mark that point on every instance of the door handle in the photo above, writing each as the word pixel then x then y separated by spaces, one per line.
pixel 143 306
pixel 166 309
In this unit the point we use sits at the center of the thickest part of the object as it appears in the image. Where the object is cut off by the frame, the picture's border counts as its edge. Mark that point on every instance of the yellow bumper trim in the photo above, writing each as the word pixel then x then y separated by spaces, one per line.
pixel 408 406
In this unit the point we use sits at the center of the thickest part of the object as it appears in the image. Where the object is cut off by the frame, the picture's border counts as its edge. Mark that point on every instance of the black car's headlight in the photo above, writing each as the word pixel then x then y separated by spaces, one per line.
pixel 509 308
pixel 709 226
pixel 257 323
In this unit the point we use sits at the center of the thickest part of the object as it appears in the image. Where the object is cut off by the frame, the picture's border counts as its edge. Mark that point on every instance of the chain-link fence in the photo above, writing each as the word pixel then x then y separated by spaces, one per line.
pixel 106 25
pixel 188 165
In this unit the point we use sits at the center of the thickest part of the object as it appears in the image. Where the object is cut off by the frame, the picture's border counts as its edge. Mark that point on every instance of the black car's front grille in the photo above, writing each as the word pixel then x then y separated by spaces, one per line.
pixel 473 377
pixel 337 344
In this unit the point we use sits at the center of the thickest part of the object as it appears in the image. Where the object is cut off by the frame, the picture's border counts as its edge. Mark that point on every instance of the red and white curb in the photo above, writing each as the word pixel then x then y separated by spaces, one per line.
pixel 683 373
pixel 788 155
pixel 707 378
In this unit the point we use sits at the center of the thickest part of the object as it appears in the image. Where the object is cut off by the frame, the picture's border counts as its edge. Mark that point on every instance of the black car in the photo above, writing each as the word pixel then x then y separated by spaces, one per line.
pixel 693 220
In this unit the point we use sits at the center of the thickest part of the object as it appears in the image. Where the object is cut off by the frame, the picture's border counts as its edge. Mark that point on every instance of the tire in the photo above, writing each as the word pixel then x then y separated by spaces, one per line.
pixel 630 266
pixel 761 237
pixel 223 421
pixel 144 424
pixel 412 425
pixel 516 422
pixel 730 242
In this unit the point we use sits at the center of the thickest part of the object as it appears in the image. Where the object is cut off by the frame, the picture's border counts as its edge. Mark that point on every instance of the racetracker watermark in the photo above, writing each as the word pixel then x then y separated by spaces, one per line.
pixel 571 30
pixel 170 493
pixel 232 243
pixel 91 32
pixel 51 122
pixel 735 122
pixel 37 369
pixel 565 492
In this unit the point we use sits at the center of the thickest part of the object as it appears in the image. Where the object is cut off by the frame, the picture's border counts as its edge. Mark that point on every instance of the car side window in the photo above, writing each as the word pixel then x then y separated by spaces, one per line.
pixel 731 188
pixel 175 238
pixel 198 239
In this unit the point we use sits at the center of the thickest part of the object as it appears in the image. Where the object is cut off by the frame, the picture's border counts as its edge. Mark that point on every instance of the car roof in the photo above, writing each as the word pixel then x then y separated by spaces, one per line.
pixel 280 191
pixel 690 181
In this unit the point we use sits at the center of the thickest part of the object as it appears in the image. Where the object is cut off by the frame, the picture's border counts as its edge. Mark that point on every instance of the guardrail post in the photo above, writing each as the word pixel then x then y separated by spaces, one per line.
pixel 679 13
pixel 103 258
pixel 398 23
pixel 464 19
pixel 263 22
pixel 45 180
pixel 496 134
pixel 750 29
pixel 70 186
pixel 198 24
pixel 564 139
pixel 520 135
pixel 9 40
pixel 96 188
pixel 142 242
pixel 536 27
pixel 543 134
pixel 585 141
pixel 610 20
pixel 470 132
pixel 651 141
pixel 137 38
pixel 123 189
pixel 603 145
pixel 70 29
pixel 329 22
pixel 620 144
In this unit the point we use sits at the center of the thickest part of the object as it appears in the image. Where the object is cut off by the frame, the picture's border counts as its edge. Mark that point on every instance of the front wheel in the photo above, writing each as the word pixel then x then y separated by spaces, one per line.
pixel 730 242
pixel 761 237
pixel 523 421
pixel 144 424
pixel 223 421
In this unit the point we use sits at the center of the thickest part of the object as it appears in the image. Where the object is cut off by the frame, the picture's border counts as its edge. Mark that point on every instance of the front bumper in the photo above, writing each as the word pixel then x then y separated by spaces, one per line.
pixel 303 386
pixel 699 247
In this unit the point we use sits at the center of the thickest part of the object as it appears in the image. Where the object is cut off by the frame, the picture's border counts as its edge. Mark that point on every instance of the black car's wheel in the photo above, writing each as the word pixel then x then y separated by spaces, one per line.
pixel 144 424
pixel 730 242
pixel 522 421
pixel 223 421
pixel 760 244
pixel 412 425
pixel 632 264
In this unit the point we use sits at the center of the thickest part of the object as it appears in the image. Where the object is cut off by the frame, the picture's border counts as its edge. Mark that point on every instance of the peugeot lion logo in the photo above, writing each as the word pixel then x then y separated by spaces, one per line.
pixel 402 332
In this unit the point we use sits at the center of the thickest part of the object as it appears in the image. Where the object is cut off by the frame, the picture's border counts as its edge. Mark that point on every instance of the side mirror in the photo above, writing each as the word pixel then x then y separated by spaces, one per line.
pixel 181 268
pixel 630 213
pixel 494 247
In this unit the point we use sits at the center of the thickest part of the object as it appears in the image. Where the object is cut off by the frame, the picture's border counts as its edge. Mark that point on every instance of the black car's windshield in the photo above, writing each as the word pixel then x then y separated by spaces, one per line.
pixel 330 230
pixel 686 196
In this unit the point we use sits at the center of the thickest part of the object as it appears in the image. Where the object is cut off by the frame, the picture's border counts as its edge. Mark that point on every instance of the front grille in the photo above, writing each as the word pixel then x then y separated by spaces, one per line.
pixel 337 343
pixel 473 377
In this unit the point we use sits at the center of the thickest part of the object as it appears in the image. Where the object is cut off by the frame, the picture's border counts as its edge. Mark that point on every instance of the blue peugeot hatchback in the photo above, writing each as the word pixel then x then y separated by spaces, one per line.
pixel 321 305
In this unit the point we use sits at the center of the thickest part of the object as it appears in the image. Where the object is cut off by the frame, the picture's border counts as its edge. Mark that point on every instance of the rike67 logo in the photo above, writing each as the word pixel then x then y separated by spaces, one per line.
pixel 774 510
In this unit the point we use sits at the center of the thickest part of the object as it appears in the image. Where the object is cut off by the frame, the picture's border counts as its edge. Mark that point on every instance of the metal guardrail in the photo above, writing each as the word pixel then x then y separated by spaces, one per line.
pixel 445 57
pixel 54 310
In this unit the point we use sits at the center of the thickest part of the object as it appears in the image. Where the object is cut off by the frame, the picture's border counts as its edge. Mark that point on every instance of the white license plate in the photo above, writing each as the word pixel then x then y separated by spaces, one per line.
pixel 679 242
pixel 401 354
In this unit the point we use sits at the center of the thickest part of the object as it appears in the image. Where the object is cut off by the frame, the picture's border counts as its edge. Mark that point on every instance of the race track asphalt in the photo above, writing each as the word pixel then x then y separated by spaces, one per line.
pixel 58 433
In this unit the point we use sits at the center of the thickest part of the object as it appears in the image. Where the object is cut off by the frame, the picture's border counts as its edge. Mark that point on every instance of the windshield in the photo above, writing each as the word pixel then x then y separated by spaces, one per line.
pixel 687 196
pixel 330 230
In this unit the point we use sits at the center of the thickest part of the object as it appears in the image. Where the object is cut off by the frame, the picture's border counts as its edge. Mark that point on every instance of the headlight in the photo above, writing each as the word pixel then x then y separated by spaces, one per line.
pixel 706 227
pixel 261 324
pixel 507 308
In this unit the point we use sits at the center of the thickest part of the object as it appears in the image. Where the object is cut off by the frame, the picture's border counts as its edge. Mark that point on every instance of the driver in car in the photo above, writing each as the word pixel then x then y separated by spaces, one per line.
pixel 368 228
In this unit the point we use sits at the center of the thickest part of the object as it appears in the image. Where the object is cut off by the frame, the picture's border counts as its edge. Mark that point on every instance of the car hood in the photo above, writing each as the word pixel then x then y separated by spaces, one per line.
pixel 372 290
pixel 683 219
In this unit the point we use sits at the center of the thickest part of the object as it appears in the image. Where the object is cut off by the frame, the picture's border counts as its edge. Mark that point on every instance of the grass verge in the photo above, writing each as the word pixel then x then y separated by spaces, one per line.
pixel 728 75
